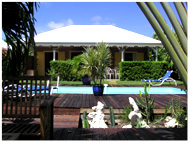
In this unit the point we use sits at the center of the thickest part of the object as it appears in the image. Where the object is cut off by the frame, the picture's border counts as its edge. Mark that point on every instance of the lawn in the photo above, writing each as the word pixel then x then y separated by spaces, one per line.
pixel 117 82
pixel 74 82
pixel 143 83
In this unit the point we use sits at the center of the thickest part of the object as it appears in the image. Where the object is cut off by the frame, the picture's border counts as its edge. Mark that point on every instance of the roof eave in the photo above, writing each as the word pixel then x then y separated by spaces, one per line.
pixel 110 44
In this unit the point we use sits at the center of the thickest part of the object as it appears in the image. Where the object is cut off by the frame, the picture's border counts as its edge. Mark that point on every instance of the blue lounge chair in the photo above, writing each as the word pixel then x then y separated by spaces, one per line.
pixel 16 91
pixel 162 80
pixel 44 87
pixel 33 88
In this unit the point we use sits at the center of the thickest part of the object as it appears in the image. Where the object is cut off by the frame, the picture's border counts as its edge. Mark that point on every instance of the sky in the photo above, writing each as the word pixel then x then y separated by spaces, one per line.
pixel 126 15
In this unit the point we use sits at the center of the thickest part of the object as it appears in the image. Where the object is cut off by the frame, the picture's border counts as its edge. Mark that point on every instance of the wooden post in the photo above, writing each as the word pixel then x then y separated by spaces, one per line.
pixel 46 118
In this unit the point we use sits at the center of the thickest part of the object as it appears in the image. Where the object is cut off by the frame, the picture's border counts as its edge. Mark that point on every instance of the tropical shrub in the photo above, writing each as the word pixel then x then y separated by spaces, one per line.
pixel 61 68
pixel 146 104
pixel 95 60
pixel 18 25
pixel 77 68
pixel 178 111
pixel 125 115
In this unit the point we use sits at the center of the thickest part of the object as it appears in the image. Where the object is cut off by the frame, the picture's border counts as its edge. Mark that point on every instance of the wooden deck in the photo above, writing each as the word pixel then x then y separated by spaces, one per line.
pixel 63 118
pixel 121 134
pixel 66 118
pixel 118 101
pixel 10 136
pixel 68 107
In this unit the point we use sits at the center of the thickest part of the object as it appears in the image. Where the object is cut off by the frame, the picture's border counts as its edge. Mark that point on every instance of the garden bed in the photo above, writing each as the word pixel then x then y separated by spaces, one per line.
pixel 119 123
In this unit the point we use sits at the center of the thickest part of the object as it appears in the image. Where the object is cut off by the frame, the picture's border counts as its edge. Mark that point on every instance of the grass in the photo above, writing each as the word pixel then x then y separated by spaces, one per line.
pixel 67 82
pixel 117 82
pixel 143 83
pixel 74 82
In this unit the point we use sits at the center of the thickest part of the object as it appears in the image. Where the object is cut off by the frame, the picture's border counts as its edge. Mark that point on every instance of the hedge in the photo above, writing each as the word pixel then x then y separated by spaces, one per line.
pixel 129 70
pixel 137 70
pixel 64 70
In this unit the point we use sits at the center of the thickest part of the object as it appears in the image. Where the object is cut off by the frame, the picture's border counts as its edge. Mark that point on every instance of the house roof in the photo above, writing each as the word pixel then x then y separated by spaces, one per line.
pixel 3 44
pixel 89 35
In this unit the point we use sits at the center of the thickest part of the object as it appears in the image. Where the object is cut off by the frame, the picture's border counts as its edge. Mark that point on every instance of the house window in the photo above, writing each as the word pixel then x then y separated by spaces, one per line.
pixel 74 54
pixel 130 56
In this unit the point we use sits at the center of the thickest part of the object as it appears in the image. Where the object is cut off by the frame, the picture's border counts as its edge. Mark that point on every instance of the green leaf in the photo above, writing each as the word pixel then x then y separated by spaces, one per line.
pixel 141 97
pixel 182 14
pixel 177 57
pixel 175 23
pixel 176 46
pixel 139 103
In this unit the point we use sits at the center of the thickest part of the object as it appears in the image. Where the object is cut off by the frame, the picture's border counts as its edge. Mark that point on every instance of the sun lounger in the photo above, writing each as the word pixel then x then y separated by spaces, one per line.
pixel 161 80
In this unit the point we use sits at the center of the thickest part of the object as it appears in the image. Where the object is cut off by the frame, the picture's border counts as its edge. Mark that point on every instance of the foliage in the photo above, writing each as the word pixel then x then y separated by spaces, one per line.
pixel 165 115
pixel 85 121
pixel 140 124
pixel 178 112
pixel 61 68
pixel 77 68
pixel 176 50
pixel 18 26
pixel 125 115
pixel 163 56
pixel 147 105
pixel 95 60
pixel 162 53
pixel 137 70
pixel 69 70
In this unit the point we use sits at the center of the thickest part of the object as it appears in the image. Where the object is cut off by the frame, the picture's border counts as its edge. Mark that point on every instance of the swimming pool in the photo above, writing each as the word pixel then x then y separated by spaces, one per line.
pixel 118 90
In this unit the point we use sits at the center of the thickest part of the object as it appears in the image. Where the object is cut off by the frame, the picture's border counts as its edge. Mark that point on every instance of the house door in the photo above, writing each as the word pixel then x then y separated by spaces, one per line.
pixel 48 58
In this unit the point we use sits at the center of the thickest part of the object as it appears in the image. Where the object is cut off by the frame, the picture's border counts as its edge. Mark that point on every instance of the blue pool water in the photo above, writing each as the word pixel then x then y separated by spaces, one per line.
pixel 119 90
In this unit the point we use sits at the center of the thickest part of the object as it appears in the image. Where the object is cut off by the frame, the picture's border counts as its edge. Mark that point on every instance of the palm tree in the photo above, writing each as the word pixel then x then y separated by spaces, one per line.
pixel 176 50
pixel 95 60
pixel 18 26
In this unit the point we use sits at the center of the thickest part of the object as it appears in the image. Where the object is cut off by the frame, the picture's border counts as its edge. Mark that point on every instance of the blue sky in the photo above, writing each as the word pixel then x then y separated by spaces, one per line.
pixel 126 15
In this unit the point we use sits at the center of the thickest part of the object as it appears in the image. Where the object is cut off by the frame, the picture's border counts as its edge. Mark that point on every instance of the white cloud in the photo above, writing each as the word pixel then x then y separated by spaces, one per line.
pixel 97 20
pixel 54 25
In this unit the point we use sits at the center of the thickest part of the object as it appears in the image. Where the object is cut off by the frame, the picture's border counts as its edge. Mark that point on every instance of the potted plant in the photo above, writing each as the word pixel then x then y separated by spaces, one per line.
pixel 95 60
pixel 80 72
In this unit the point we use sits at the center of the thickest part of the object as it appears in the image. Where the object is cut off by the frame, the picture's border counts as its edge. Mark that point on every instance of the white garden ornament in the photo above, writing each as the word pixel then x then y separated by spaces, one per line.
pixel 171 122
pixel 136 110
pixel 133 103
pixel 134 116
pixel 96 118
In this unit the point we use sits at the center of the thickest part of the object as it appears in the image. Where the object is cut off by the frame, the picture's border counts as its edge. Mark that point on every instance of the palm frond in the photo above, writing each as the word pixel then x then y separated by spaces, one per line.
pixel 174 49
pixel 18 26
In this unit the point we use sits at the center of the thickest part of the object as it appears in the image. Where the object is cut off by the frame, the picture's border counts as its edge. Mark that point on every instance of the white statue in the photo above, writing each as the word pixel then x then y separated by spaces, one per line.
pixel 134 116
pixel 96 118
pixel 133 103
pixel 135 112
